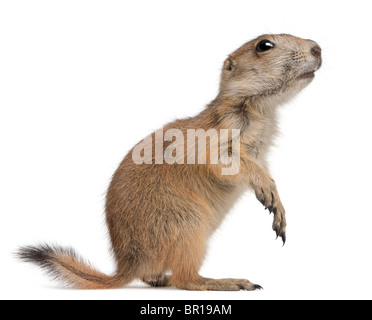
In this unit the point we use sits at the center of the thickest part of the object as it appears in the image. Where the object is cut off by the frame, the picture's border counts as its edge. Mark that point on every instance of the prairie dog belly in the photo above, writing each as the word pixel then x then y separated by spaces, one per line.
pixel 227 203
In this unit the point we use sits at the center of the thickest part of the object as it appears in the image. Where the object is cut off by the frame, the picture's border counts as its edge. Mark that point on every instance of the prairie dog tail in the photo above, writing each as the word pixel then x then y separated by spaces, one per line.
pixel 65 266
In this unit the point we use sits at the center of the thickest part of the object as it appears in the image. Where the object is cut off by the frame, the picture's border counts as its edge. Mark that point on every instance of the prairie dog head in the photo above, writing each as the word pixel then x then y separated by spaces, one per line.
pixel 270 69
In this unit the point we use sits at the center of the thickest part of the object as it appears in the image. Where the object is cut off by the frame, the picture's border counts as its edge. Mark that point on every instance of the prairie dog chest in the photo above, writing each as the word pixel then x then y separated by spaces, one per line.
pixel 259 136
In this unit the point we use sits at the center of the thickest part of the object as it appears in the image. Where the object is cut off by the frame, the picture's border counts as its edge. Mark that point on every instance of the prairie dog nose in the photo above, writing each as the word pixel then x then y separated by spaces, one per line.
pixel 316 51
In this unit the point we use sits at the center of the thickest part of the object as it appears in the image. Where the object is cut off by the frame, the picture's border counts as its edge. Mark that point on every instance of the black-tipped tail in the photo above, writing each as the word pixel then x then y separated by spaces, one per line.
pixel 65 266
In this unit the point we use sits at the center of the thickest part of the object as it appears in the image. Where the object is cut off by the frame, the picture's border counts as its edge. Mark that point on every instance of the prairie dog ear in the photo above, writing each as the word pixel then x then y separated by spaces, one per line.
pixel 229 64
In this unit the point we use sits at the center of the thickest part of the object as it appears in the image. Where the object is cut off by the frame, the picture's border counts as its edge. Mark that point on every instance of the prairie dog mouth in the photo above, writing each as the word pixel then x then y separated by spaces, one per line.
pixel 306 75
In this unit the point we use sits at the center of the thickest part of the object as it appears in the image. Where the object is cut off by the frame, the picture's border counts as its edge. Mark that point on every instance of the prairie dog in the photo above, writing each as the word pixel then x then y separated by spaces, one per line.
pixel 160 215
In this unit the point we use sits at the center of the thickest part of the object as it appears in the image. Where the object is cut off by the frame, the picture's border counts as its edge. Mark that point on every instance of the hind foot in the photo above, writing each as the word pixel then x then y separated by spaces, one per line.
pixel 157 281
pixel 205 284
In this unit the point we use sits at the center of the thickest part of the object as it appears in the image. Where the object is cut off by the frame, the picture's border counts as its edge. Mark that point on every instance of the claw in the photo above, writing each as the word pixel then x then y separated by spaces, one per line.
pixel 277 234
pixel 257 287
pixel 275 210
pixel 284 238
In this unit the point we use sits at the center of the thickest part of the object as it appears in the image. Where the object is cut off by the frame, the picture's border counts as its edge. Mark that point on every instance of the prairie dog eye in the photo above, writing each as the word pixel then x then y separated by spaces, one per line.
pixel 265 45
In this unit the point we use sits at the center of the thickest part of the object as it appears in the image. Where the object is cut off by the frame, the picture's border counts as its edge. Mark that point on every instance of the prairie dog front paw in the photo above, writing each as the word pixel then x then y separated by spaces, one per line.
pixel 268 195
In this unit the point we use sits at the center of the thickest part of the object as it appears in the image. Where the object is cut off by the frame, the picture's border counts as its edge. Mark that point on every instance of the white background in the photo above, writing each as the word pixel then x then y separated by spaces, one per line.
pixel 82 81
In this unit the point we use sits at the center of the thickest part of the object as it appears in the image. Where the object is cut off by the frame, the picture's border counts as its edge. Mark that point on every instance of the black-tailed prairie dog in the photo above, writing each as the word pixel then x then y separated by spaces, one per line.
pixel 170 193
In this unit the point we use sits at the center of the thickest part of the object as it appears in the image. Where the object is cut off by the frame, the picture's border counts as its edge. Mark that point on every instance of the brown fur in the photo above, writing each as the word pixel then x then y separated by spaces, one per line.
pixel 160 217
